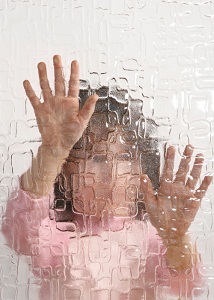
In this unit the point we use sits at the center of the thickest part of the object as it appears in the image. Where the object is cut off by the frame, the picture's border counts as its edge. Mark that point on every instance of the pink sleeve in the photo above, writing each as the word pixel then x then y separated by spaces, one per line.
pixel 22 220
pixel 163 284
pixel 29 231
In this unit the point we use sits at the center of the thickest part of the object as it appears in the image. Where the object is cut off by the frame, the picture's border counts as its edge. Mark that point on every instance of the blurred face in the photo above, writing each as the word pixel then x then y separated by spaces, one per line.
pixel 102 173
pixel 108 180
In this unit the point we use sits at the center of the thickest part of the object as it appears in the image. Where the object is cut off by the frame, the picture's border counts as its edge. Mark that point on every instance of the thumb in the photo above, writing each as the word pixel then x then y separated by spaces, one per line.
pixel 147 189
pixel 88 108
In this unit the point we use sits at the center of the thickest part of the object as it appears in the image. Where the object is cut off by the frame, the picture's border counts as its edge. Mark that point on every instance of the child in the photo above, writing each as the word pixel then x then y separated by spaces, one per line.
pixel 97 246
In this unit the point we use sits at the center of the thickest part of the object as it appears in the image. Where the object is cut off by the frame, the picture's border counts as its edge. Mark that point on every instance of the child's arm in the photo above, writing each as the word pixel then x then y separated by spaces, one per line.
pixel 38 180
pixel 60 122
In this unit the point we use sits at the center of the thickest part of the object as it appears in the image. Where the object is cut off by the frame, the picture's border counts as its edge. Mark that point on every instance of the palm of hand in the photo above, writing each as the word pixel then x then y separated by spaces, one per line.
pixel 59 123
pixel 59 119
pixel 175 211
pixel 173 208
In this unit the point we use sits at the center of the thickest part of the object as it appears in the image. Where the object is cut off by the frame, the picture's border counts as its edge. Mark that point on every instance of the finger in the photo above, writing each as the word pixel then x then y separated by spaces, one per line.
pixel 167 175
pixel 148 192
pixel 73 90
pixel 184 164
pixel 196 172
pixel 59 79
pixel 201 191
pixel 34 100
pixel 88 108
pixel 43 79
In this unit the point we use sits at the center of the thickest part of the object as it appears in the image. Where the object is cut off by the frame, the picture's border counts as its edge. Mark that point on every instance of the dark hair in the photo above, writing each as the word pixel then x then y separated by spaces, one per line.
pixel 116 114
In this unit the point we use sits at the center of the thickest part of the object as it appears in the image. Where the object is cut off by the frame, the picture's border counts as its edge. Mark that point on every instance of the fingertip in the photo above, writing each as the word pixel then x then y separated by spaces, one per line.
pixel 144 179
pixel 200 155
pixel 25 82
pixel 171 150
pixel 190 147
pixel 96 97
pixel 41 65
pixel 209 177
pixel 188 151
pixel 56 59
pixel 93 99
pixel 144 176
pixel 74 76
pixel 74 64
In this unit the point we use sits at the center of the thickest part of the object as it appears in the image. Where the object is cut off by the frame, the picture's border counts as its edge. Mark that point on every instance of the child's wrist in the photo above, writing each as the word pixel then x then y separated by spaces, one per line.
pixel 57 151
pixel 177 241
pixel 181 253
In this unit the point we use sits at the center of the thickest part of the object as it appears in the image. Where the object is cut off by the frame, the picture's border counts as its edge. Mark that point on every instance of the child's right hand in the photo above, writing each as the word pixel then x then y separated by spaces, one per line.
pixel 60 121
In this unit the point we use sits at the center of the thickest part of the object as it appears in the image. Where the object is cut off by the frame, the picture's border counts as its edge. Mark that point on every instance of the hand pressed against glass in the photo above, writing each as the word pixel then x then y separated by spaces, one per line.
pixel 59 119
pixel 174 207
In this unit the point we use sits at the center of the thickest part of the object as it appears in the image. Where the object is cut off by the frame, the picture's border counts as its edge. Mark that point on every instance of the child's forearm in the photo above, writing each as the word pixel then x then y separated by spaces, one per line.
pixel 181 254
pixel 39 178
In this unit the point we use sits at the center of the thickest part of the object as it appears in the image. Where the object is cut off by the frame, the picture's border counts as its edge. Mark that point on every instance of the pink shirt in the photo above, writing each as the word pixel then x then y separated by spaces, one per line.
pixel 119 259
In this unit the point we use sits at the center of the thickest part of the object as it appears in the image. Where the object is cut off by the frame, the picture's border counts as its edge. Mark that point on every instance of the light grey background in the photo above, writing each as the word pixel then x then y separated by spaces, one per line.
pixel 163 50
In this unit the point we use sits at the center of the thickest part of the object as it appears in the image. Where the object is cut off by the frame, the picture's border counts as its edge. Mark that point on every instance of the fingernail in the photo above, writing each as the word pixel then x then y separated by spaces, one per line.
pixel 171 149
pixel 40 66
pixel 74 63
pixel 55 59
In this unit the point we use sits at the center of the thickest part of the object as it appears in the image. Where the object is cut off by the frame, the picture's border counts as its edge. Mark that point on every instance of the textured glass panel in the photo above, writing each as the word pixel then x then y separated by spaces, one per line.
pixel 99 233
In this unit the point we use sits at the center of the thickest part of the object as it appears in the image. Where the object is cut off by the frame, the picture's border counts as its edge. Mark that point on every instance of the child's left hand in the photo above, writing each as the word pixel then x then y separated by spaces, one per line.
pixel 173 208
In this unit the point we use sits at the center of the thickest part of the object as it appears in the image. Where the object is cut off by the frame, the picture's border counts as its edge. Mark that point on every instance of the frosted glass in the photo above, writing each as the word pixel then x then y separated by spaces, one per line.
pixel 151 64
